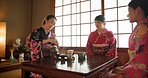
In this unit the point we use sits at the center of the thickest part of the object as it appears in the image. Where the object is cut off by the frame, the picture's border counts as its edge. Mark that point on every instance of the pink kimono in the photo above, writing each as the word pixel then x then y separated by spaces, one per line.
pixel 138 41
pixel 137 67
pixel 106 37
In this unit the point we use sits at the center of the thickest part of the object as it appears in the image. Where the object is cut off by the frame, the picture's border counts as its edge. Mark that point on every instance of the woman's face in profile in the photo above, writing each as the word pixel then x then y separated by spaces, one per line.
pixel 132 14
pixel 51 23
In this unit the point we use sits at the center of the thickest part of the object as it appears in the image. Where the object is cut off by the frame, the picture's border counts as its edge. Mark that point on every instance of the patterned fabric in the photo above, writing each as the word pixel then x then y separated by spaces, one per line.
pixel 137 67
pixel 38 49
pixel 36 43
pixel 106 37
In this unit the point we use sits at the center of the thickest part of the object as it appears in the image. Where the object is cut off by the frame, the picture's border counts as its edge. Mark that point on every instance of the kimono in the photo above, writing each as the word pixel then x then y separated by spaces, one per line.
pixel 36 38
pixel 137 67
pixel 39 50
pixel 106 37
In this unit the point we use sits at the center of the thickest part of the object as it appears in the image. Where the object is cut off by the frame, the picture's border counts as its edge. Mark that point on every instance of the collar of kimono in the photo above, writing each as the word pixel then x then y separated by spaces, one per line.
pixel 145 20
pixel 105 30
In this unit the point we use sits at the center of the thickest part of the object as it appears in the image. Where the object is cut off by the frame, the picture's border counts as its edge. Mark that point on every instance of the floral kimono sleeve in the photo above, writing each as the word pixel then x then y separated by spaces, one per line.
pixel 89 46
pixel 138 65
pixel 112 45
pixel 36 44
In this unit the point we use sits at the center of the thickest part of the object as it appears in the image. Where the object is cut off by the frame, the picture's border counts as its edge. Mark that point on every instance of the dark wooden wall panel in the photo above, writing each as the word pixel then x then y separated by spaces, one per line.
pixel 123 56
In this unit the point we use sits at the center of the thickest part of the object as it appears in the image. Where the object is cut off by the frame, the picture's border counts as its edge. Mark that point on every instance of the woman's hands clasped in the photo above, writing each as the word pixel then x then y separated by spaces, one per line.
pixel 100 45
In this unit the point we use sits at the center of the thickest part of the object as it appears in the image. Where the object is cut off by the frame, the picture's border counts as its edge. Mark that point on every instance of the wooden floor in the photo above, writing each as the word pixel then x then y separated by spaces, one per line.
pixel 11 74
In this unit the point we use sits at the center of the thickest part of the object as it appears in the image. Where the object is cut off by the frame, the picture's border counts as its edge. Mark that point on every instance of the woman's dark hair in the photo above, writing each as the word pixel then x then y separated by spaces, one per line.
pixel 100 18
pixel 143 4
pixel 47 18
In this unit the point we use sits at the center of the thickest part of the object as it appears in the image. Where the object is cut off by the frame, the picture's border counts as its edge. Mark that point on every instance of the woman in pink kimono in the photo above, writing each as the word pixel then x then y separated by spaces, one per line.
pixel 137 67
pixel 101 41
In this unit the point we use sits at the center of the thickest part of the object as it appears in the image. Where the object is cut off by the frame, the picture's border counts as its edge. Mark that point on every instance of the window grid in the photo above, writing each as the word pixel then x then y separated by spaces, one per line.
pixel 78 19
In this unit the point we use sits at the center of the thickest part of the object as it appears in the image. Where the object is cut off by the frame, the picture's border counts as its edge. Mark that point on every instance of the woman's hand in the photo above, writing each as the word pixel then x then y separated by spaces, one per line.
pixel 118 70
pixel 100 45
pixel 50 46
pixel 95 45
pixel 54 41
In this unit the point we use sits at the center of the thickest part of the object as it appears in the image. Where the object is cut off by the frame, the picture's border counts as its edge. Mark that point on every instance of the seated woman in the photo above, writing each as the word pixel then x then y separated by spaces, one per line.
pixel 41 40
pixel 137 67
pixel 101 41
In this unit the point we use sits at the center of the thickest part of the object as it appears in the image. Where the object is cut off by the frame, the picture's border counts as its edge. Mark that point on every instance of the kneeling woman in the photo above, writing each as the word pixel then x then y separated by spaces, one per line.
pixel 41 40
pixel 101 41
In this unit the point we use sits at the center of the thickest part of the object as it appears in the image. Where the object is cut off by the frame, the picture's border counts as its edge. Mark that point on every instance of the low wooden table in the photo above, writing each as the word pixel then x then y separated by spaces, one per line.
pixel 6 65
pixel 90 67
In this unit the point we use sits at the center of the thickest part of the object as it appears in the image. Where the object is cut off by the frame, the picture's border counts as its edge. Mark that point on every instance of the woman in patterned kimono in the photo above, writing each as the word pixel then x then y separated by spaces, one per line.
pixel 101 41
pixel 137 67
pixel 40 37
